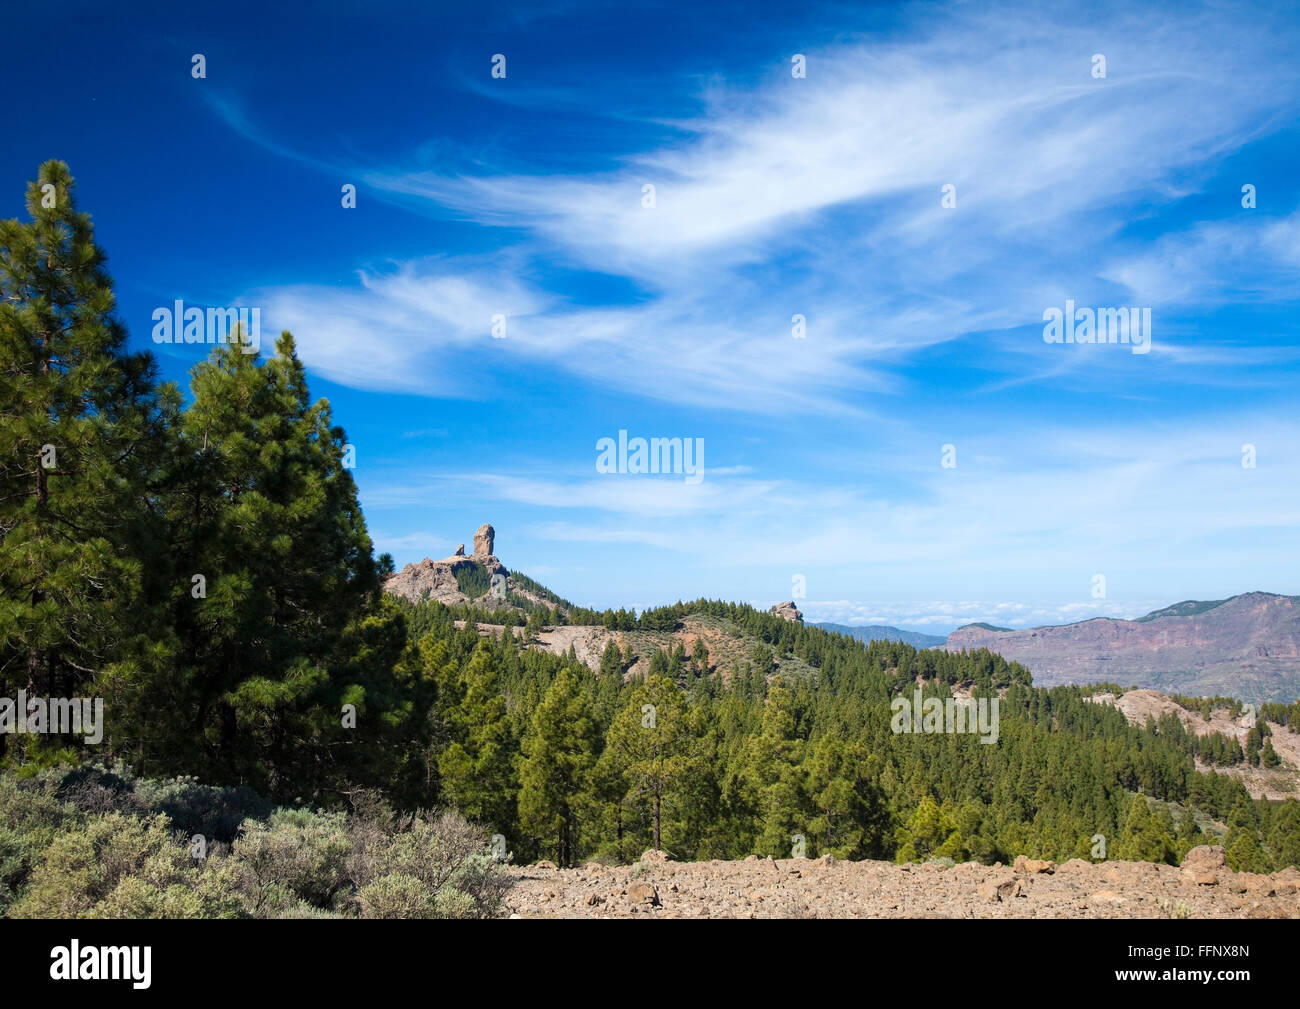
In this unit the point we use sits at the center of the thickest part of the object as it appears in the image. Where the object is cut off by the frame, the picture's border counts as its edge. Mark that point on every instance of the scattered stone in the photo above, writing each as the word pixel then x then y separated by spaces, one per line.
pixel 743 889
pixel 1205 858
pixel 1001 888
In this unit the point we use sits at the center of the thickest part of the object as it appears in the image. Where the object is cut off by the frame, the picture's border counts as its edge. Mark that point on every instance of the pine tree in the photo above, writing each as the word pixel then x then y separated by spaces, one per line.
pixel 1284 837
pixel 1244 853
pixel 1143 837
pixel 475 769
pixel 850 816
pixel 611 660
pixel 700 658
pixel 557 759
pixel 651 749
pixel 82 432
pixel 291 624
pixel 930 832
pixel 771 781
pixel 677 663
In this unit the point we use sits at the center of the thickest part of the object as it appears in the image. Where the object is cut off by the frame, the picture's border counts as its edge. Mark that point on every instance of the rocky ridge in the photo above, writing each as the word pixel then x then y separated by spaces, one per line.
pixel 1246 647
pixel 437 579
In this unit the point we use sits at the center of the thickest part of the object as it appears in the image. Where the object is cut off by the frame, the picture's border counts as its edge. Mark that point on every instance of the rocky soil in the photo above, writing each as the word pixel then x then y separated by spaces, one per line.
pixel 657 887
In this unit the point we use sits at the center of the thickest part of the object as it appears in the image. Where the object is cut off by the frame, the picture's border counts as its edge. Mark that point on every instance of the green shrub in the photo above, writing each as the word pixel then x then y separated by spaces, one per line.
pixel 296 855
pixel 443 852
pixel 65 854
pixel 120 866
pixel 193 808
pixel 395 895
pixel 31 816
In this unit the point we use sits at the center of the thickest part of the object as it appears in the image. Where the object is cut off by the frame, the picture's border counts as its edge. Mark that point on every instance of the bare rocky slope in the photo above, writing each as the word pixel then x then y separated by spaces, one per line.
pixel 656 887
pixel 1246 647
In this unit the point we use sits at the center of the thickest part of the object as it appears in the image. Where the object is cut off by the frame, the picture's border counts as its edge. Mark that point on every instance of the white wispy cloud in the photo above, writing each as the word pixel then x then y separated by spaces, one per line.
pixel 939 616
pixel 1065 505
pixel 821 197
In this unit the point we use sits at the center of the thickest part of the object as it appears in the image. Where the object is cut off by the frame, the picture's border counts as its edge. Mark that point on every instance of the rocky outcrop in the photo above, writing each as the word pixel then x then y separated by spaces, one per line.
pixel 430 579
pixel 787 611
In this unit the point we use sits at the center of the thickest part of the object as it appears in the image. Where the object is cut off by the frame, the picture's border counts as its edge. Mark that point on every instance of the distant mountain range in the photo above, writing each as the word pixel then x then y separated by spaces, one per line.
pixel 881 632
pixel 1247 646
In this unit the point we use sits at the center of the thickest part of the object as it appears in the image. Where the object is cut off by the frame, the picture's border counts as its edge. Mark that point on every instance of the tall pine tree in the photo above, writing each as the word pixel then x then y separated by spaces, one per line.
pixel 82 433
pixel 558 753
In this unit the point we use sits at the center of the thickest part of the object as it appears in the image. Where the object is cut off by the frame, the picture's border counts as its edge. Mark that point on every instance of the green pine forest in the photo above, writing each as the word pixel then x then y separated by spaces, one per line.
pixel 201 562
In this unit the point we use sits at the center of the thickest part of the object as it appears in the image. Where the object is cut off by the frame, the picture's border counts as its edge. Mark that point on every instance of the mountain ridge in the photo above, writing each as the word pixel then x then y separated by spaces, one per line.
pixel 884 632
pixel 1245 646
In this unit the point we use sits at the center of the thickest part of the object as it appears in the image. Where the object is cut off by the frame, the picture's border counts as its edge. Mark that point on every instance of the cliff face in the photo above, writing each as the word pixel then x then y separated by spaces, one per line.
pixel 1247 647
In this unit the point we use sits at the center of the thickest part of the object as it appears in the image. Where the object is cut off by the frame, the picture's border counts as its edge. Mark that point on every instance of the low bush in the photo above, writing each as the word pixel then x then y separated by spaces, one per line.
pixel 97 843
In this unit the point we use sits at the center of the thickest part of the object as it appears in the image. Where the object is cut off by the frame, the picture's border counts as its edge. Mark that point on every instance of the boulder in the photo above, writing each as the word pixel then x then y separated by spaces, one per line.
pixel 787 611
pixel 641 892
pixel 484 541
pixel 999 888
pixel 1205 858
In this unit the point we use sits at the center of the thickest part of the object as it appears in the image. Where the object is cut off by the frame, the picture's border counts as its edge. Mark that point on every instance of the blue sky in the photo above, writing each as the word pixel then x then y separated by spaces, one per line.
pixel 775 196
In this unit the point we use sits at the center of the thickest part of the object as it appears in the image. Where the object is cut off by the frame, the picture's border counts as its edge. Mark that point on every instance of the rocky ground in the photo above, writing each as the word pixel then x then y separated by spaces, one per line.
pixel 656 887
